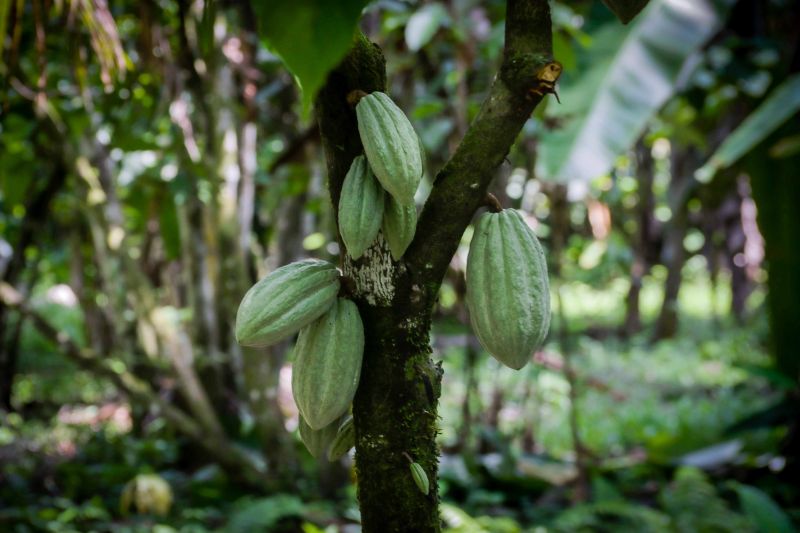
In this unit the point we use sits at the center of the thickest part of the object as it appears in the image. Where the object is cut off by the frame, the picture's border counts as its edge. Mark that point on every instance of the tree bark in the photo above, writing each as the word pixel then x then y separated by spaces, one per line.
pixel 776 190
pixel 684 163
pixel 35 214
pixel 395 408
pixel 644 233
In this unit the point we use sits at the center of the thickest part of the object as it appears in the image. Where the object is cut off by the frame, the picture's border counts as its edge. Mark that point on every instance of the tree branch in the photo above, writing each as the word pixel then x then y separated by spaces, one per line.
pixel 460 186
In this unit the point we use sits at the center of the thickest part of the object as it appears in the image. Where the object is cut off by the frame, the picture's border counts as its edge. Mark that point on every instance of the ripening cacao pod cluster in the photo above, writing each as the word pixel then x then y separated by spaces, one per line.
pixel 508 293
pixel 378 190
pixel 304 297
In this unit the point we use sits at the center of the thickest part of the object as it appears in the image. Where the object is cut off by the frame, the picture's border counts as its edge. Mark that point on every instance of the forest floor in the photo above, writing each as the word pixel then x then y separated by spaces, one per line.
pixel 654 421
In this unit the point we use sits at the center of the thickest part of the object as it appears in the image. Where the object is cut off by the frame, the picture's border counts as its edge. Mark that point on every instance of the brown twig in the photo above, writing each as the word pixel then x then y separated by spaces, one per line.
pixel 493 203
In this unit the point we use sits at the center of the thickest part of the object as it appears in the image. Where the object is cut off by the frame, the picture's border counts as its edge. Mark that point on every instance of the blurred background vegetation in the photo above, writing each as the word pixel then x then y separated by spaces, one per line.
pixel 155 160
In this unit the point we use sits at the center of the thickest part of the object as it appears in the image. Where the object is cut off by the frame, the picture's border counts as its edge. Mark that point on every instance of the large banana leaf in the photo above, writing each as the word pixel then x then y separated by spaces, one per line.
pixel 625 77
pixel 779 107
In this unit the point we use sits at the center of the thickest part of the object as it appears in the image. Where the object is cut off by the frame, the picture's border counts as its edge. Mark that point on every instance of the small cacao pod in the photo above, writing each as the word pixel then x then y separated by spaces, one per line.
pixel 285 301
pixel 318 441
pixel 360 207
pixel 345 439
pixel 399 226
pixel 420 478
pixel 148 494
pixel 391 144
pixel 508 293
pixel 327 364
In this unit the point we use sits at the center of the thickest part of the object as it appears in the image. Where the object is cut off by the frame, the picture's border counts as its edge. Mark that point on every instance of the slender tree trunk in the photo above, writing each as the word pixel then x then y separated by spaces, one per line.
pixel 35 213
pixel 684 163
pixel 776 190
pixel 644 231
pixel 560 224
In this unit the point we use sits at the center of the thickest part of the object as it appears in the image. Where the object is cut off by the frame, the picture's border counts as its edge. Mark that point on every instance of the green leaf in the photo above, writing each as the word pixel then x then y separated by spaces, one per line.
pixel 779 107
pixel 762 510
pixel 625 10
pixel 263 513
pixel 621 81
pixel 424 24
pixel 310 36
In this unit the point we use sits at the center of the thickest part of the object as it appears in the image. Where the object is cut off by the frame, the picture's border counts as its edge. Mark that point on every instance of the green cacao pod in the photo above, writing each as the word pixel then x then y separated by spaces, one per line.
pixel 360 207
pixel 420 478
pixel 508 292
pixel 285 301
pixel 318 441
pixel 399 226
pixel 391 144
pixel 344 440
pixel 327 364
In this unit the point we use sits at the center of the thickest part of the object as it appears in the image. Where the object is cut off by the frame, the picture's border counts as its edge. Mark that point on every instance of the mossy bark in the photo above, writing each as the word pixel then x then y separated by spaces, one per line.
pixel 395 408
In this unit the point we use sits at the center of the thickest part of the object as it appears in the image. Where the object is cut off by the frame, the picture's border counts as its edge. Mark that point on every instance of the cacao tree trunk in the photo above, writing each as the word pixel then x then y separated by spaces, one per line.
pixel 395 408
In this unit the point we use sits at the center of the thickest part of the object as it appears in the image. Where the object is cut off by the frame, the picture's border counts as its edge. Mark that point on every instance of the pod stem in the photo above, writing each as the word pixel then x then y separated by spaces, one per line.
pixel 353 97
pixel 347 287
pixel 410 460
pixel 492 203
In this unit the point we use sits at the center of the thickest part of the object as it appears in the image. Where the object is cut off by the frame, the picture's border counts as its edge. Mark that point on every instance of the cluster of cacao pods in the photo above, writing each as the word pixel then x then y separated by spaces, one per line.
pixel 303 297
pixel 508 292
pixel 377 193
pixel 378 190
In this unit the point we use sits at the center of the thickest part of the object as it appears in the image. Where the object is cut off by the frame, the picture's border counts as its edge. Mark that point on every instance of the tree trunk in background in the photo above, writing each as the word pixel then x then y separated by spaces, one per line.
pixel 738 258
pixel 262 366
pixel 35 213
pixel 776 190
pixel 644 233
pixel 560 229
pixel 684 162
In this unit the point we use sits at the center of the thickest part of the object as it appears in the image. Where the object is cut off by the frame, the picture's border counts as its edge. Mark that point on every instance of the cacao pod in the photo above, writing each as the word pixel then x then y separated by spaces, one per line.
pixel 318 441
pixel 508 293
pixel 327 364
pixel 285 301
pixel 344 440
pixel 420 478
pixel 399 226
pixel 360 207
pixel 391 144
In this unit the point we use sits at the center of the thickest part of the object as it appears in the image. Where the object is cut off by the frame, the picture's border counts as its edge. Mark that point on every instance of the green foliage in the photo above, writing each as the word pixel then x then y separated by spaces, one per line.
pixel 310 36
pixel 614 93
pixel 264 513
pixel 612 516
pixel 779 106
pixel 707 396
pixel 694 505
pixel 762 511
